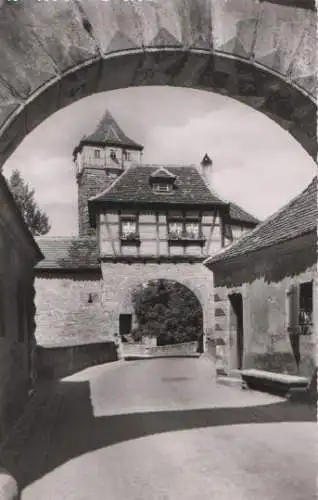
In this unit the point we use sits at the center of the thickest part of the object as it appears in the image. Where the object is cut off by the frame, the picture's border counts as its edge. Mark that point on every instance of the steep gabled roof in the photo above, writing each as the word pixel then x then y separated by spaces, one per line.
pixel 109 133
pixel 238 214
pixel 134 186
pixel 68 253
pixel 295 219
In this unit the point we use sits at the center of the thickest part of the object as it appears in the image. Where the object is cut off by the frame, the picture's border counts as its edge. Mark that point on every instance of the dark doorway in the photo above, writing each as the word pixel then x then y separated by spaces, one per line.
pixel 125 324
pixel 237 324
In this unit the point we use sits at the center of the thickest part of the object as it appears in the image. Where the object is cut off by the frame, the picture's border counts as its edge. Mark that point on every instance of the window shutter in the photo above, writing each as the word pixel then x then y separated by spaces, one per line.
pixel 293 308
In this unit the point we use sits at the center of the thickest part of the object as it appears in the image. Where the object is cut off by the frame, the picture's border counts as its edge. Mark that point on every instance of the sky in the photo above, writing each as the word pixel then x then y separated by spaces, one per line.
pixel 256 163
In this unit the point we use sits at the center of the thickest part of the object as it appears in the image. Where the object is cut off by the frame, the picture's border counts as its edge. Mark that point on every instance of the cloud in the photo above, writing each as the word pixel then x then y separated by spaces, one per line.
pixel 255 162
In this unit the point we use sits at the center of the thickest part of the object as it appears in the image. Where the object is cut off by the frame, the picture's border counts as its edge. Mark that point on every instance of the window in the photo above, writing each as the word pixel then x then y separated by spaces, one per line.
pixel 162 188
pixel 96 153
pixel 126 155
pixel 300 308
pixel 129 229
pixel 305 304
pixel 192 230
pixel 185 230
pixel 175 230
pixel 113 154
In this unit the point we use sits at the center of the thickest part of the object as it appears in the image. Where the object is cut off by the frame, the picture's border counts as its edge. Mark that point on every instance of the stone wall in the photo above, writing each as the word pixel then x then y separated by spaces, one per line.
pixel 18 255
pixel 176 350
pixel 264 279
pixel 121 279
pixel 90 182
pixel 58 362
pixel 70 309
pixel 64 313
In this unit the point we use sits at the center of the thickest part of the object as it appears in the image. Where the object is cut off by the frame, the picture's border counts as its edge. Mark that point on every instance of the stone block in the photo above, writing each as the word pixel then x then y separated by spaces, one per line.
pixel 234 26
pixel 8 486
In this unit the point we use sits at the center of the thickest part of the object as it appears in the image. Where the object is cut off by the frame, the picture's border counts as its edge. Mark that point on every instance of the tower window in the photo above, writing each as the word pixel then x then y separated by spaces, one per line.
pixel 96 153
pixel 126 155
pixel 113 154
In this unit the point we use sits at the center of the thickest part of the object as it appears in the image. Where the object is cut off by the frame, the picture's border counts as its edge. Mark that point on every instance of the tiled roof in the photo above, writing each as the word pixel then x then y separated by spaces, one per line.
pixel 134 186
pixel 296 218
pixel 109 132
pixel 238 214
pixel 162 173
pixel 68 253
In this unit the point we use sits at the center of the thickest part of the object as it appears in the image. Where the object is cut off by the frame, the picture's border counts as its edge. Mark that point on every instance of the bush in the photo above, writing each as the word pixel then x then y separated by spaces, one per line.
pixel 168 311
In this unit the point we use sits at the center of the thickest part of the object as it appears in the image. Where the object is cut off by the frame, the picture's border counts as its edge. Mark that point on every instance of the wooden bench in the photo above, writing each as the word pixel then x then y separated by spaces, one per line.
pixel 274 383
pixel 305 394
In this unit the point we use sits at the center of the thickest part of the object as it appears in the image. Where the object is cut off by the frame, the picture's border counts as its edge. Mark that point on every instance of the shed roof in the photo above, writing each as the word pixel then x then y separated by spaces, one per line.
pixel 68 253
pixel 295 219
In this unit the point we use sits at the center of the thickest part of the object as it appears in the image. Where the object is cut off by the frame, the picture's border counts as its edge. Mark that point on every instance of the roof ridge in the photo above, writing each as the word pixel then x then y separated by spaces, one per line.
pixel 48 238
pixel 162 170
pixel 254 231
pixel 167 165
pixel 105 191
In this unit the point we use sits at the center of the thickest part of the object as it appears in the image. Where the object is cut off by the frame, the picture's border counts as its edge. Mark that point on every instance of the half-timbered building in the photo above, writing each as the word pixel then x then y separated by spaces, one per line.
pixel 137 223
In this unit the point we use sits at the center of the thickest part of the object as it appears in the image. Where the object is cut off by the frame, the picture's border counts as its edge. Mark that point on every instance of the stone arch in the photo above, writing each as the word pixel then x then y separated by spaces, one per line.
pixel 126 305
pixel 121 279
pixel 260 52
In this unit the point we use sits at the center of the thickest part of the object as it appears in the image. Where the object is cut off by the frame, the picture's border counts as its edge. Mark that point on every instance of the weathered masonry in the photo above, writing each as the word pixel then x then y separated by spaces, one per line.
pixel 266 292
pixel 262 53
pixel 18 255
pixel 137 223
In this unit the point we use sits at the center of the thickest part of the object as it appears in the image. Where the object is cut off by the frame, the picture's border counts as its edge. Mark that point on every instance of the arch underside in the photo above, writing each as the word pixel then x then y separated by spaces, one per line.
pixel 260 53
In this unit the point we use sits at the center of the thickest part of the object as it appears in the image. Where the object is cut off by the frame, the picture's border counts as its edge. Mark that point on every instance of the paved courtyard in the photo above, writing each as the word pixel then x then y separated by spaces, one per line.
pixel 161 430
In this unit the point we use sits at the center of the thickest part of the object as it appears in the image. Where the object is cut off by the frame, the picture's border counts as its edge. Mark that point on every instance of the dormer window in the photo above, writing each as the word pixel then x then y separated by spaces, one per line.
pixel 162 187
pixel 162 181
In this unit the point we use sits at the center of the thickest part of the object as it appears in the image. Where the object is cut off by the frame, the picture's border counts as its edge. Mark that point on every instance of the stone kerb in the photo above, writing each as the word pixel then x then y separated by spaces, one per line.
pixel 8 486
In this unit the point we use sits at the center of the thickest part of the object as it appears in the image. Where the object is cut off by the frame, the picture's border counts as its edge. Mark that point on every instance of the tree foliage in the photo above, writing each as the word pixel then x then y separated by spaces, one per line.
pixel 168 311
pixel 34 217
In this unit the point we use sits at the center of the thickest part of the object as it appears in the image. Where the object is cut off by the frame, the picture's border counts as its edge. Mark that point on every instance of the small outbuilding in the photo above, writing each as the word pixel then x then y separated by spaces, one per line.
pixel 265 297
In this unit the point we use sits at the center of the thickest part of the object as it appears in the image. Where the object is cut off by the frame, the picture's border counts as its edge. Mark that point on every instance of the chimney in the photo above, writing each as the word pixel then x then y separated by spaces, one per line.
pixel 206 169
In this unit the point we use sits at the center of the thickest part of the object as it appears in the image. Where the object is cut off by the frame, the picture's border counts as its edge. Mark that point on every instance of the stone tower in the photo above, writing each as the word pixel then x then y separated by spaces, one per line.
pixel 100 158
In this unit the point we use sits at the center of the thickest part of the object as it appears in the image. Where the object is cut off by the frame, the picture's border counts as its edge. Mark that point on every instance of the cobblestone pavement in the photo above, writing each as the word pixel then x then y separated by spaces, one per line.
pixel 161 430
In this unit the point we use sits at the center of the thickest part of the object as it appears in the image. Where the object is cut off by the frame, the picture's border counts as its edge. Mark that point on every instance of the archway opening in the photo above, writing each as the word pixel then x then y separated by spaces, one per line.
pixel 166 313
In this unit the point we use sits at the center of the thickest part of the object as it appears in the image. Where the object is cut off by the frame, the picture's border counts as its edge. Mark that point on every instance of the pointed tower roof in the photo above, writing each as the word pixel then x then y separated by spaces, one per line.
pixel 108 133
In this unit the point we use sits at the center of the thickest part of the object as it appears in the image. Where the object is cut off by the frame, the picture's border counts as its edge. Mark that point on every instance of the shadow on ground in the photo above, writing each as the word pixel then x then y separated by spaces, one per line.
pixel 75 430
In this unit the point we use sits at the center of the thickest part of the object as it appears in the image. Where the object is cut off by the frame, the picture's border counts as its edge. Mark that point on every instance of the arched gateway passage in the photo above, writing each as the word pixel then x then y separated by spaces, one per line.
pixel 260 52
pixel 121 279
pixel 164 312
